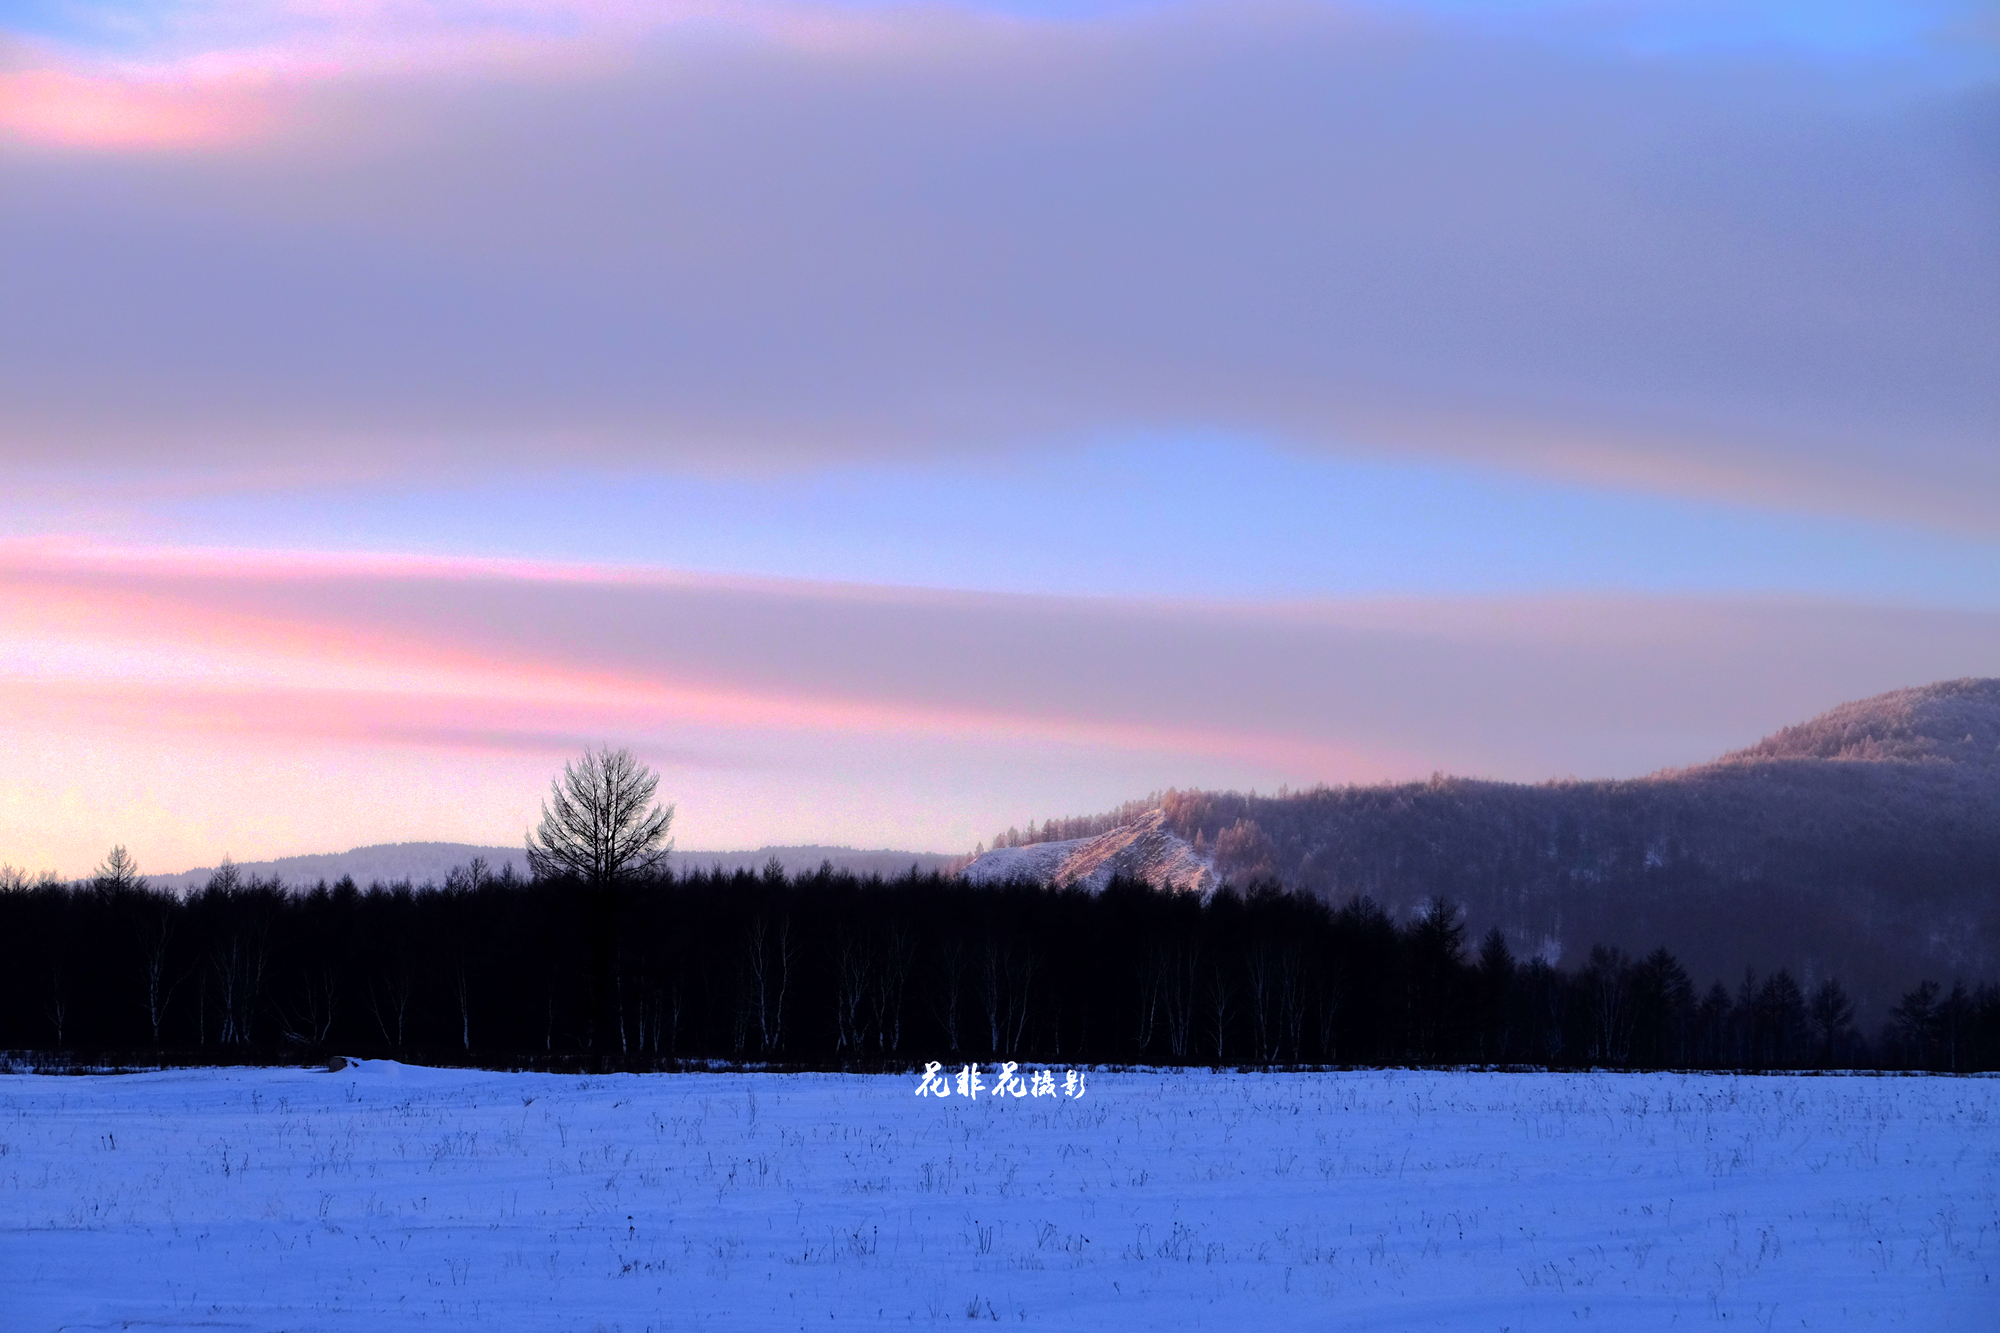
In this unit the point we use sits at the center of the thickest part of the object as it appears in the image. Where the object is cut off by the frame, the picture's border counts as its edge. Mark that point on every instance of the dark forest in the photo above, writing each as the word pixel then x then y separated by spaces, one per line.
pixel 830 971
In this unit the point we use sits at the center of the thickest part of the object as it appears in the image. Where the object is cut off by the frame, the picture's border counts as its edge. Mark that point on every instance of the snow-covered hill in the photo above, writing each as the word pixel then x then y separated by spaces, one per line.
pixel 1142 850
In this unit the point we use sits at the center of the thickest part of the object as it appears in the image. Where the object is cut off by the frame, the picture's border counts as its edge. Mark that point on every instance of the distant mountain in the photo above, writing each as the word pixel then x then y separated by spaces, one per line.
pixel 1864 843
pixel 432 862
pixel 385 863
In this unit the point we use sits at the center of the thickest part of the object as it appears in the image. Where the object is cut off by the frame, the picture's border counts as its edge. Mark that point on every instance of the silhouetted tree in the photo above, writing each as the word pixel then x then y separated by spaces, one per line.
pixel 1832 1016
pixel 600 828
pixel 1436 953
pixel 1493 990
pixel 118 872
pixel 597 826
pixel 1778 1021
pixel 1662 1010
pixel 1915 1024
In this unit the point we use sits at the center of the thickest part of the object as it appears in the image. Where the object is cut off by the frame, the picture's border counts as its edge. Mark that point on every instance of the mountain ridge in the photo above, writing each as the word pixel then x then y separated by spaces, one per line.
pixel 432 862
pixel 1952 721
pixel 1863 843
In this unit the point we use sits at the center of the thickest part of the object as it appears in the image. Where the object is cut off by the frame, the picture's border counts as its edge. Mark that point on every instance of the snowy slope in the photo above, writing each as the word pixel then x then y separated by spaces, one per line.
pixel 1142 850
pixel 388 1198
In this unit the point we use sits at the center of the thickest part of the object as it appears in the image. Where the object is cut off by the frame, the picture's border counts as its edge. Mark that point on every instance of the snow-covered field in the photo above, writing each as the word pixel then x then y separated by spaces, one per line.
pixel 390 1197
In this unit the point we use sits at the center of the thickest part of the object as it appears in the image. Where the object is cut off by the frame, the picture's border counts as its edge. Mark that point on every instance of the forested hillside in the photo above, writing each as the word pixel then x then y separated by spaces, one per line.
pixel 1863 844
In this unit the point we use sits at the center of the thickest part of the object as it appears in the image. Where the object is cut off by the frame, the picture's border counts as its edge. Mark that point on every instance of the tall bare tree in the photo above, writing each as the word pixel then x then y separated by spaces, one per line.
pixel 771 954
pixel 155 927
pixel 601 828
pixel 895 952
pixel 855 960
pixel 118 871
pixel 596 825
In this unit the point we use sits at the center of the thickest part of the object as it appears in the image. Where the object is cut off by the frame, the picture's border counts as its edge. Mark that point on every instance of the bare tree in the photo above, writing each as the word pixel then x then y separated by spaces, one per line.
pixel 601 827
pixel 1292 997
pixel 1182 961
pixel 391 1008
pixel 895 953
pixel 319 1000
pixel 238 957
pixel 596 825
pixel 945 995
pixel 990 987
pixel 469 878
pixel 770 957
pixel 1330 995
pixel 855 962
pixel 1916 1024
pixel 1004 985
pixel 1152 973
pixel 1220 995
pixel 155 928
pixel 57 1006
pixel 239 960
pixel 1260 988
pixel 1832 1018
pixel 118 871
pixel 1608 993
pixel 119 875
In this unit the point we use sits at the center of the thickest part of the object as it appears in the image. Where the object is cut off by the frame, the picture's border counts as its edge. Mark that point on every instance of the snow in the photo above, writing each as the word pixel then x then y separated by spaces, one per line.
pixel 388 1197
pixel 1037 863
pixel 1143 850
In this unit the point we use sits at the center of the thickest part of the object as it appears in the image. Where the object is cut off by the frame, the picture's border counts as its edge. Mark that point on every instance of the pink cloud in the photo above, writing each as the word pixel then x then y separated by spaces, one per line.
pixel 233 74
pixel 75 110
pixel 386 640
pixel 202 701
pixel 1319 690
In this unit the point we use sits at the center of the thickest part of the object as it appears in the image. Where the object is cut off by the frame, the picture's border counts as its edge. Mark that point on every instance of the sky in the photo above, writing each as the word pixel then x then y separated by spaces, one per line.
pixel 897 422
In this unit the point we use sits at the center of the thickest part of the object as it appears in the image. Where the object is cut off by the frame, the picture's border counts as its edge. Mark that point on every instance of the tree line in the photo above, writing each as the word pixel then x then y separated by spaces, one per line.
pixel 829 970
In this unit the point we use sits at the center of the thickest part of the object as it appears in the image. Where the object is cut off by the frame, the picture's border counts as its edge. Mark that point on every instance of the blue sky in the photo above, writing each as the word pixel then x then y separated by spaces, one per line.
pixel 1156 517
pixel 1836 26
